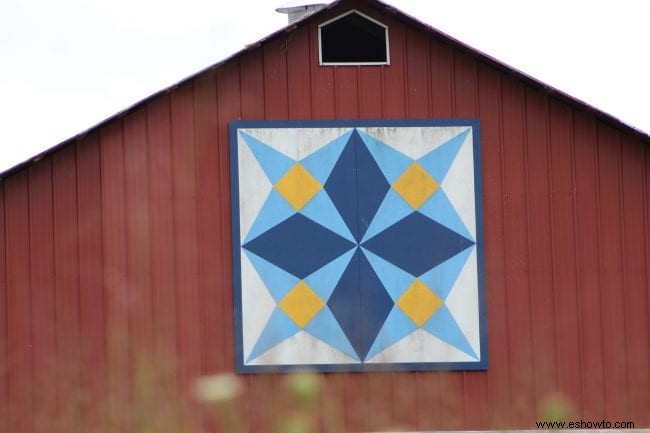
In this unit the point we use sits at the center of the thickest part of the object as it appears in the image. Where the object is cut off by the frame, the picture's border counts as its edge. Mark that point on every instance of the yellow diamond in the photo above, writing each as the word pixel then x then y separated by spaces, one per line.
pixel 298 186
pixel 415 185
pixel 301 304
pixel 419 302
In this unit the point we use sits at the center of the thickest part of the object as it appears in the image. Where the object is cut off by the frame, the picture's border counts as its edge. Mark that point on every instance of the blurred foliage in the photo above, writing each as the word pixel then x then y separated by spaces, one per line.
pixel 142 394
pixel 556 408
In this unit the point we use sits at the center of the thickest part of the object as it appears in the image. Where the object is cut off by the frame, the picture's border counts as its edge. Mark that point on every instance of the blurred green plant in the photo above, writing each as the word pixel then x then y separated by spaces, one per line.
pixel 556 408
pixel 219 394
pixel 218 388
pixel 304 387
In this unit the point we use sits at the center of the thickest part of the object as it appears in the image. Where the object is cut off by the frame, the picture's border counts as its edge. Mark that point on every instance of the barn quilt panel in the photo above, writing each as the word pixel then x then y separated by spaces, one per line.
pixel 357 245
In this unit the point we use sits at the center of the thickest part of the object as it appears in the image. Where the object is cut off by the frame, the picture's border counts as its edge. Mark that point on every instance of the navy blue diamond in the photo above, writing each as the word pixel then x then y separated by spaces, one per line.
pixel 417 244
pixel 357 186
pixel 299 245
pixel 360 304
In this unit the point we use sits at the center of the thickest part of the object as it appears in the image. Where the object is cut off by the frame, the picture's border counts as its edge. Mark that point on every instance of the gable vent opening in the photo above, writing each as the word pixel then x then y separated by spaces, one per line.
pixel 353 39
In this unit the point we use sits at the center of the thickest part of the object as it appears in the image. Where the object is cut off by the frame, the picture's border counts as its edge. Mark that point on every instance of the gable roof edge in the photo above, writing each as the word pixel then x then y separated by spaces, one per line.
pixel 528 79
pixel 397 13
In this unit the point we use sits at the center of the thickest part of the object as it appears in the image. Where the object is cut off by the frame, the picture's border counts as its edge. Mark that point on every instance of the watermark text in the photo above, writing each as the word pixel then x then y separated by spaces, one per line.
pixel 600 424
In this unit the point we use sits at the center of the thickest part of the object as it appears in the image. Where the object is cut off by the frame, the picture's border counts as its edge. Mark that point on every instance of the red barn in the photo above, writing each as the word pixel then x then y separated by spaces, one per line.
pixel 116 257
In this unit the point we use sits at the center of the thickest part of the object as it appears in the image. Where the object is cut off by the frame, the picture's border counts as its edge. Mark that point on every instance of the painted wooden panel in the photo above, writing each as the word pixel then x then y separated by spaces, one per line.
pixel 352 273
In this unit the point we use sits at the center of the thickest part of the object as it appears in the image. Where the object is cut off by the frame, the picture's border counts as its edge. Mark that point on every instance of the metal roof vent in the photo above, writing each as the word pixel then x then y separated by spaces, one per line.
pixel 298 10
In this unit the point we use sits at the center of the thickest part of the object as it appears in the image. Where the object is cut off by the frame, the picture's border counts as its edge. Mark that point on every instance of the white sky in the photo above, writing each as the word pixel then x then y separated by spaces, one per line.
pixel 66 65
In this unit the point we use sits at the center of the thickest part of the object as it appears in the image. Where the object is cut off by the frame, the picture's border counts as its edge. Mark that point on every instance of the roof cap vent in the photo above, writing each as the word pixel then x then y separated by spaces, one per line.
pixel 298 10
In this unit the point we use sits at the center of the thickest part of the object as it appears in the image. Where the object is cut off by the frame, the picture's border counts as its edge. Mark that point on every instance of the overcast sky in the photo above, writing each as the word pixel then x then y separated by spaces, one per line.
pixel 66 65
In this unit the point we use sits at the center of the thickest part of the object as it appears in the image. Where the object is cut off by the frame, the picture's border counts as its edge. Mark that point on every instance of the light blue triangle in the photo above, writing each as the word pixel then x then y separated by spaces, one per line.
pixel 391 162
pixel 274 163
pixel 324 280
pixel 443 325
pixel 394 279
pixel 441 279
pixel 391 210
pixel 275 210
pixel 277 281
pixel 279 328
pixel 325 327
pixel 321 210
pixel 396 327
pixel 438 161
pixel 439 208
pixel 321 162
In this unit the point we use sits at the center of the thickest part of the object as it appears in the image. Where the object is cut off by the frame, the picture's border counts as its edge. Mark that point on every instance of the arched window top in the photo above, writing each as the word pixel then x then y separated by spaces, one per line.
pixel 353 39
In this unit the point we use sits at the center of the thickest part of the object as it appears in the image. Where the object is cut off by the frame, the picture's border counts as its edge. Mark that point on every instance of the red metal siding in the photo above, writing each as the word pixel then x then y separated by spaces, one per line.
pixel 489 96
pixel 586 254
pixel 18 314
pixel 43 311
pixel 115 251
pixel 4 334
pixel 635 274
pixel 91 291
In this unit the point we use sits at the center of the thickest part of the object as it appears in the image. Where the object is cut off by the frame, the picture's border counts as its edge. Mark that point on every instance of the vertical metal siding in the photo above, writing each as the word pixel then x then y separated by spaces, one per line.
pixel 162 256
pixel 4 315
pixel 210 221
pixel 18 314
pixel 91 292
pixel 499 390
pixel 228 86
pixel 610 261
pixel 66 285
pixel 540 279
pixel 161 229
pixel 587 252
pixel 635 282
pixel 115 251
pixel 516 249
pixel 43 308
pixel 563 228
pixel 114 267
pixel 190 350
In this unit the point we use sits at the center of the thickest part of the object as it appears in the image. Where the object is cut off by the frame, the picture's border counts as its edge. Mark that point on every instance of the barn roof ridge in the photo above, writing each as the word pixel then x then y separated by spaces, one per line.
pixel 399 14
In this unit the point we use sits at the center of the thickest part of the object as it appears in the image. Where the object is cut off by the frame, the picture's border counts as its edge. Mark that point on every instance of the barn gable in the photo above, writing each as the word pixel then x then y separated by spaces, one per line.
pixel 115 248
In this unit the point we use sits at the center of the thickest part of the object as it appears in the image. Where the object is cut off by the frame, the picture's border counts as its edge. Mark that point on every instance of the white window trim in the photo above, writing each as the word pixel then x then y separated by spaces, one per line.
pixel 352 11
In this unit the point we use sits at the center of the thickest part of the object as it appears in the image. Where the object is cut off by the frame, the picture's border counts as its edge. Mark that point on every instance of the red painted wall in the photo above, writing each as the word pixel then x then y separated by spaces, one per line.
pixel 115 266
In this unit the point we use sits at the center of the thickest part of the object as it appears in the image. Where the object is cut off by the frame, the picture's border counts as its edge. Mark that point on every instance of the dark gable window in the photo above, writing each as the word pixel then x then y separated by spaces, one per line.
pixel 353 39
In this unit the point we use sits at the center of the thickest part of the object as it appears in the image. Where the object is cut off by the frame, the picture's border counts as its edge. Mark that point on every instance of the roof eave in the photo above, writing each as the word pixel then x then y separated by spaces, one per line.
pixel 477 54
